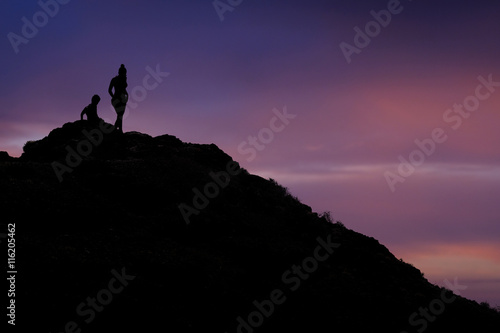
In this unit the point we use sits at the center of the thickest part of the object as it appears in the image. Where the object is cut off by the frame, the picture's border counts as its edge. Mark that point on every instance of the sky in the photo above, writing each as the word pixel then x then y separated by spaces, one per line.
pixel 385 113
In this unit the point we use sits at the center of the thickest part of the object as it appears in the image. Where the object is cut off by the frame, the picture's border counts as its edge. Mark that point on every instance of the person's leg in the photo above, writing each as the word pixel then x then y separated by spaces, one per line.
pixel 119 122
pixel 120 110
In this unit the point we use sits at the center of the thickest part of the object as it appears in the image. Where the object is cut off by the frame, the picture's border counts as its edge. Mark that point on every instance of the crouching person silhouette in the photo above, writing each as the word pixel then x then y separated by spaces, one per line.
pixel 91 111
pixel 119 97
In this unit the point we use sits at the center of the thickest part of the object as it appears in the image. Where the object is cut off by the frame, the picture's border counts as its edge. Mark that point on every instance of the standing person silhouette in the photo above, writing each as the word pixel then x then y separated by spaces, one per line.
pixel 120 96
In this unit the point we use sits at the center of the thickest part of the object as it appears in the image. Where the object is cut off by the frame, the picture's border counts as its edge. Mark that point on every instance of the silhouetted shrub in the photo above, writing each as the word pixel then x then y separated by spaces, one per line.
pixel 485 305
pixel 28 145
pixel 283 190
pixel 340 224
pixel 327 216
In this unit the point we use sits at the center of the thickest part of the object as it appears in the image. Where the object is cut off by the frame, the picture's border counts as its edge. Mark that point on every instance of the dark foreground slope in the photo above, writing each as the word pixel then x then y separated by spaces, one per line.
pixel 107 249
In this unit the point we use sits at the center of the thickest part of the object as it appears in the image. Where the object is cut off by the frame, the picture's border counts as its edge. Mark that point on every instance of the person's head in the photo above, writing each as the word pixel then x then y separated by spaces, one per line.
pixel 122 70
pixel 96 99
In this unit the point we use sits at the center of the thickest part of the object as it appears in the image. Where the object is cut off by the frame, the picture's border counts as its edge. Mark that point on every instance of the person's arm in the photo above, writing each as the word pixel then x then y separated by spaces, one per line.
pixel 83 112
pixel 110 89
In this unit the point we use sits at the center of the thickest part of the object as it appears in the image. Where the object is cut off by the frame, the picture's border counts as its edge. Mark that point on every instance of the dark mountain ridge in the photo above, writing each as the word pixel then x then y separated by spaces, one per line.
pixel 103 245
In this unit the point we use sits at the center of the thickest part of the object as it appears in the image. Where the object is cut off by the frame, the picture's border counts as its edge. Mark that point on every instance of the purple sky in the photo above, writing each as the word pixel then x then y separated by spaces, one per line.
pixel 353 121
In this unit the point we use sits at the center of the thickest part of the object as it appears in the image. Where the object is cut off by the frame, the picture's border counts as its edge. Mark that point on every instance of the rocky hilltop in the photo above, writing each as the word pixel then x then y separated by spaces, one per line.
pixel 126 233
